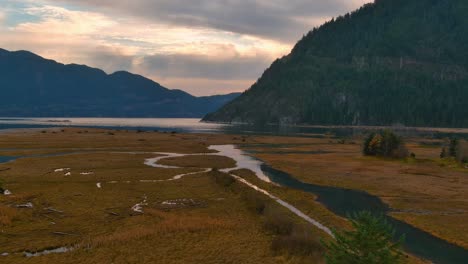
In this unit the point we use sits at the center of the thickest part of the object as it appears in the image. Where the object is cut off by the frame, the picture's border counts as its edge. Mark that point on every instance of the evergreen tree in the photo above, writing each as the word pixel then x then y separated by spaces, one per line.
pixel 365 149
pixel 370 243
pixel 385 144
pixel 453 147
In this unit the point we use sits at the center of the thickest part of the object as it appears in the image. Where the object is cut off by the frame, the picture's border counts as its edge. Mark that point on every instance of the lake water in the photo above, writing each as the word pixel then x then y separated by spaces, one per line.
pixel 193 125
pixel 4 159
pixel 161 124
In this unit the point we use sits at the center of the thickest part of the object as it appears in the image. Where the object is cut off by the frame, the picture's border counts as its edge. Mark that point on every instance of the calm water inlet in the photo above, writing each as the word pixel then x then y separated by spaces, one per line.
pixel 345 202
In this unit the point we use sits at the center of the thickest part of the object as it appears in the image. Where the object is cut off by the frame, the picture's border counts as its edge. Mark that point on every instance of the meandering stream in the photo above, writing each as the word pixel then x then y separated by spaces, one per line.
pixel 340 201
pixel 343 202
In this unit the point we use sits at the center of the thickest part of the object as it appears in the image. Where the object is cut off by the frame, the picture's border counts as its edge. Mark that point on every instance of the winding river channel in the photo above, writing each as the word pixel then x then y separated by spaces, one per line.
pixel 343 202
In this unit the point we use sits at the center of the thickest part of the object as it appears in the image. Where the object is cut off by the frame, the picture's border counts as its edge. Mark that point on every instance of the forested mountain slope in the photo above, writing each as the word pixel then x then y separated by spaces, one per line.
pixel 32 86
pixel 390 62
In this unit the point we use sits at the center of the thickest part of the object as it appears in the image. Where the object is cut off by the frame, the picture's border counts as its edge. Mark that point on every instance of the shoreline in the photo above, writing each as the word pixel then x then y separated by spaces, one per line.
pixel 365 127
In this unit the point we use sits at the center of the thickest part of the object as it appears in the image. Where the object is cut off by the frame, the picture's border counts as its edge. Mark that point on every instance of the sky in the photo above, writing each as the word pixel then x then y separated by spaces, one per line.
pixel 204 47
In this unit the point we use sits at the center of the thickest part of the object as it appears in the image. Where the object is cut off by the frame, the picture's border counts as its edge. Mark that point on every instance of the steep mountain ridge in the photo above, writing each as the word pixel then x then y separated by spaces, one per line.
pixel 33 86
pixel 390 62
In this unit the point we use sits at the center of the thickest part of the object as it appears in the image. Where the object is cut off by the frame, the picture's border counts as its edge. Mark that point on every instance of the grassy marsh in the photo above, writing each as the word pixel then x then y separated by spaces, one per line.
pixel 221 227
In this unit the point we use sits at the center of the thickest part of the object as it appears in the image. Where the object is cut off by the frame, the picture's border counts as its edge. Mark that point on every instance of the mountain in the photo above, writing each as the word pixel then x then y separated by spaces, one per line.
pixel 32 86
pixel 390 62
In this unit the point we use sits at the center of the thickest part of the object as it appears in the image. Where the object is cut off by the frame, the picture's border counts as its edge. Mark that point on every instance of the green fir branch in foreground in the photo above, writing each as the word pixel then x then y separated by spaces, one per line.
pixel 371 242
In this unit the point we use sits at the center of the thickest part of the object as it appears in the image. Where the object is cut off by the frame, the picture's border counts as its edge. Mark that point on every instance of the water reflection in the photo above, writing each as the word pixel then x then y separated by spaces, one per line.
pixel 193 125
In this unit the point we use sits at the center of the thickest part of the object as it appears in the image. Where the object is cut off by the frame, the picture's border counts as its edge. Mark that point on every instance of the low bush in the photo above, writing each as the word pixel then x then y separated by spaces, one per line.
pixel 289 236
pixel 222 178
pixel 457 149
pixel 462 152
pixel 277 221
pixel 299 242
pixel 453 147
pixel 255 202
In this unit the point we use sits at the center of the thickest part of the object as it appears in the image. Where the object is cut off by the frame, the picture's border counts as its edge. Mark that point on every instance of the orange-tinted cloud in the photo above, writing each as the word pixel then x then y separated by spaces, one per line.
pixel 203 47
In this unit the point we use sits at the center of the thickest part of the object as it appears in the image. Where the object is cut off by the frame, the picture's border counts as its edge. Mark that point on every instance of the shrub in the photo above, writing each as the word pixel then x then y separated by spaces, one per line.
pixel 277 222
pixel 299 242
pixel 255 202
pixel 453 147
pixel 370 243
pixel 443 153
pixel 367 150
pixel 290 237
pixel 462 152
pixel 222 178
pixel 385 144
pixel 457 149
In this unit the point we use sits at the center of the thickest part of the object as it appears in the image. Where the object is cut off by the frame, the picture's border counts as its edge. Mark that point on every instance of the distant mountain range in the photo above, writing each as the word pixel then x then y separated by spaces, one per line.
pixel 390 62
pixel 32 86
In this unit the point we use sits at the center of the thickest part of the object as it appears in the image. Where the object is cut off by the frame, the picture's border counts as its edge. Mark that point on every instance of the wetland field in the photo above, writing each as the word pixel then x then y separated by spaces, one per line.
pixel 89 195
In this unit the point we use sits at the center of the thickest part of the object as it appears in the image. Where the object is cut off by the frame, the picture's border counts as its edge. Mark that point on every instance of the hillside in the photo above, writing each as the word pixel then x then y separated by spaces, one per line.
pixel 32 86
pixel 391 62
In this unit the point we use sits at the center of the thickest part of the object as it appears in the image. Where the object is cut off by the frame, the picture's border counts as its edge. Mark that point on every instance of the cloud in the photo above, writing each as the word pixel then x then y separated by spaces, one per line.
pixel 225 63
pixel 283 20
pixel 203 46
pixel 201 86
pixel 166 51
pixel 2 18
pixel 57 20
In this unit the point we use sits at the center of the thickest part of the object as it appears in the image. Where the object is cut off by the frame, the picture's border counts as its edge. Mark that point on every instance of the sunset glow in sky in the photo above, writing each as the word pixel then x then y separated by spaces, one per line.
pixel 201 46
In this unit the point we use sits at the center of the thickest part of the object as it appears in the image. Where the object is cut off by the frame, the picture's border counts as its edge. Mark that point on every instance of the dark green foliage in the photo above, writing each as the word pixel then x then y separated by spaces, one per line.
pixel 370 243
pixel 457 149
pixel 384 144
pixel 453 147
pixel 392 62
